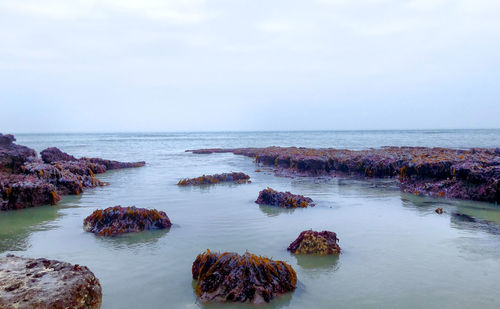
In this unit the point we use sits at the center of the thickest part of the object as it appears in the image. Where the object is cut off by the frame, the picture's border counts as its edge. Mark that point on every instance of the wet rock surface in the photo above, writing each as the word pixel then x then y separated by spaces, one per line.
pixel 312 242
pixel 216 178
pixel 472 174
pixel 117 220
pixel 272 197
pixel 247 278
pixel 43 284
pixel 27 181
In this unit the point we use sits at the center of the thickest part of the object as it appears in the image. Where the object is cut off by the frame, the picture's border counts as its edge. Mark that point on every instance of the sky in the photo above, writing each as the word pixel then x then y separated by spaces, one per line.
pixel 218 65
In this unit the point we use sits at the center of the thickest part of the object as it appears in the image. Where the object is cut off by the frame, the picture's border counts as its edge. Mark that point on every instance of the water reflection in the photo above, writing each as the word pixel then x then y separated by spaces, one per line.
pixel 208 187
pixel 466 222
pixel 425 205
pixel 464 215
pixel 314 261
pixel 273 211
pixel 16 226
pixel 278 302
pixel 132 240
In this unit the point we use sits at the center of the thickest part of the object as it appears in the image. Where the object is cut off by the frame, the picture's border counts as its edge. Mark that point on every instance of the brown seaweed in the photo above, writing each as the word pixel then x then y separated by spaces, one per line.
pixel 247 278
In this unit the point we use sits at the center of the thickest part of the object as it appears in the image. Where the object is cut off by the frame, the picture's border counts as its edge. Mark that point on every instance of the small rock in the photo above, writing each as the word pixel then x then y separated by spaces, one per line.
pixel 311 242
pixel 213 179
pixel 283 199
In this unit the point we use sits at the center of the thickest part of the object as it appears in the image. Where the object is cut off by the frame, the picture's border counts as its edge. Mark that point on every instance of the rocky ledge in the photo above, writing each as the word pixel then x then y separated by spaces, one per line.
pixel 472 174
pixel 213 179
pixel 118 220
pixel 311 242
pixel 247 278
pixel 27 181
pixel 43 284
pixel 283 199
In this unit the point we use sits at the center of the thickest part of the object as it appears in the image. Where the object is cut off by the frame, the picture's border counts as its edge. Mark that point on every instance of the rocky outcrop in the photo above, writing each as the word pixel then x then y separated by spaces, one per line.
pixel 46 284
pixel 27 181
pixel 283 199
pixel 472 174
pixel 53 154
pixel 117 220
pixel 13 156
pixel 213 179
pixel 247 278
pixel 311 242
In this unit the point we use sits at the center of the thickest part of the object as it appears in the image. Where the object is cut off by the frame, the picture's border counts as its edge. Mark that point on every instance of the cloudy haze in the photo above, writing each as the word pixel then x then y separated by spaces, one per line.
pixel 180 65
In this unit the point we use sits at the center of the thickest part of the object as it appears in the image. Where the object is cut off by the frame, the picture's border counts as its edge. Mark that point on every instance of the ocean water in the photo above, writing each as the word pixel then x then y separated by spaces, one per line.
pixel 397 252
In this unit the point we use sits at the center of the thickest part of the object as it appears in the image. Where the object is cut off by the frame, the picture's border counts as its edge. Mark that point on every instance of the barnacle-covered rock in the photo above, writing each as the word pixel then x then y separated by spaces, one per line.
pixel 213 179
pixel 312 242
pixel 117 220
pixel 283 199
pixel 247 278
pixel 472 174
pixel 47 284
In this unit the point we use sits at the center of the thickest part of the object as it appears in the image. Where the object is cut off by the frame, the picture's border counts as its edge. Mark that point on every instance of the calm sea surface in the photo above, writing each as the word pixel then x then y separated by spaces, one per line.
pixel 397 253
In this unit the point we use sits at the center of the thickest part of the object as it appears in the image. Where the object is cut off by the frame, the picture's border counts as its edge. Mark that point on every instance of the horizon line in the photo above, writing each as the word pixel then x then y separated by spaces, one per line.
pixel 247 131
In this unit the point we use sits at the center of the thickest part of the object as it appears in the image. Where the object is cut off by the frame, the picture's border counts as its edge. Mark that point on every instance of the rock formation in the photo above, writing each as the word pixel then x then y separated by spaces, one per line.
pixel 283 199
pixel 47 284
pixel 117 220
pixel 311 242
pixel 213 179
pixel 247 278
pixel 27 181
pixel 472 174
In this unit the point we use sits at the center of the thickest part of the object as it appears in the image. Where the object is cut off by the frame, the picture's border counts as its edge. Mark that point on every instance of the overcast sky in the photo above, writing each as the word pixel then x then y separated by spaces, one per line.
pixel 182 65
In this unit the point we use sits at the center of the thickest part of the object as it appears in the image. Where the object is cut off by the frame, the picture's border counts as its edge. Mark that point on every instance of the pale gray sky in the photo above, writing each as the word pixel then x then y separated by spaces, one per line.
pixel 180 65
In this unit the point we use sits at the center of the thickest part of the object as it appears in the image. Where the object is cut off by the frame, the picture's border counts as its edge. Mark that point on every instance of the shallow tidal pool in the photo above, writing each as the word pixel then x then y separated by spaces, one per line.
pixel 397 252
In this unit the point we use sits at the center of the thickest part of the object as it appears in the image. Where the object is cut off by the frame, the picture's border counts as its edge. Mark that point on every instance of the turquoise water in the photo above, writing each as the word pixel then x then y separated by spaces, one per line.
pixel 397 253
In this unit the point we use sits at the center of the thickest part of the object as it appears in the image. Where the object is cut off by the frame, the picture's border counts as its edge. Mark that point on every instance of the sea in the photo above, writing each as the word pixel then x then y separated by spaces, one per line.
pixel 396 251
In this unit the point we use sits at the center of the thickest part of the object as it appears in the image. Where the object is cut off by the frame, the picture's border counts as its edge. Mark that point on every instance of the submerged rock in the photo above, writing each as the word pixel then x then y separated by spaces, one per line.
pixel 117 220
pixel 283 199
pixel 41 283
pixel 213 179
pixel 247 278
pixel 27 181
pixel 472 174
pixel 311 242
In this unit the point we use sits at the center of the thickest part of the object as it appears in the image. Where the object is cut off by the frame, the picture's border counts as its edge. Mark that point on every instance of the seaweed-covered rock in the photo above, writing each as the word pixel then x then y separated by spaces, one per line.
pixel 13 156
pixel 113 165
pixel 54 154
pixel 117 220
pixel 283 199
pixel 46 284
pixel 21 191
pixel 472 174
pixel 311 242
pixel 213 179
pixel 247 278
pixel 27 181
